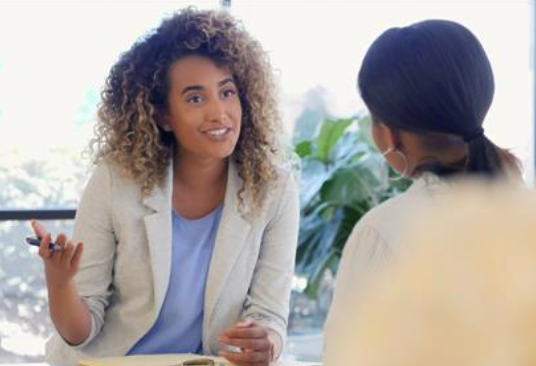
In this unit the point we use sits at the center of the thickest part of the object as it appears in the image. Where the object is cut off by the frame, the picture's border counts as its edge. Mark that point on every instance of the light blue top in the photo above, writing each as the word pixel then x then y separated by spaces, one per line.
pixel 178 328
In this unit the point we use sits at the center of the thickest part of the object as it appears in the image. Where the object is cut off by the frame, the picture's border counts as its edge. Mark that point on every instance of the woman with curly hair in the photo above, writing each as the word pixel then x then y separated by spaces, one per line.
pixel 189 222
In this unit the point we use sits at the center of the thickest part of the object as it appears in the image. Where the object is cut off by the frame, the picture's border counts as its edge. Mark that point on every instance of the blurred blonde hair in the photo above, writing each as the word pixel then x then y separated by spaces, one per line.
pixel 463 293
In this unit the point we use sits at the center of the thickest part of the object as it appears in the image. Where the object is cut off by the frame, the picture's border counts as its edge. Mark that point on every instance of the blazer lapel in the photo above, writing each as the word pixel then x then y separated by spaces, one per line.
pixel 158 228
pixel 230 239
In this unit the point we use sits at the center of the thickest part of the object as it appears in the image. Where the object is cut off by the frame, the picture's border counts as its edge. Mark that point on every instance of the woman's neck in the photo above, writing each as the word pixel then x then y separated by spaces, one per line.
pixel 198 172
pixel 199 184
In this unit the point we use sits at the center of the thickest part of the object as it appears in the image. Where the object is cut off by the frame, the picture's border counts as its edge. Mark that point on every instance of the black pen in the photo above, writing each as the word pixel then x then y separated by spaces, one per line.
pixel 37 243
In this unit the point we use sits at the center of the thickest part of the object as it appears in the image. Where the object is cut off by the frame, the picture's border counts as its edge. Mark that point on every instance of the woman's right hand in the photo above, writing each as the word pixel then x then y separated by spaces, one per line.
pixel 60 265
pixel 68 311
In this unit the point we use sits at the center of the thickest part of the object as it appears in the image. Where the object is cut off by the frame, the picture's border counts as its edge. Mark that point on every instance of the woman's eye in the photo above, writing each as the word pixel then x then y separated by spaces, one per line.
pixel 194 99
pixel 228 93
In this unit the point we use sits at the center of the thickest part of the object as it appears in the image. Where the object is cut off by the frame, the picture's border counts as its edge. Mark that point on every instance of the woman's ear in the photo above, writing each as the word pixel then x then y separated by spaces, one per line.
pixel 385 136
pixel 392 136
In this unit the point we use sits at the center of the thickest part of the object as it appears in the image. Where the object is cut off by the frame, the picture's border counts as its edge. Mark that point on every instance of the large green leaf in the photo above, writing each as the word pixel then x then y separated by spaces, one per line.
pixel 348 148
pixel 313 176
pixel 341 188
pixel 304 148
pixel 330 133
pixel 316 244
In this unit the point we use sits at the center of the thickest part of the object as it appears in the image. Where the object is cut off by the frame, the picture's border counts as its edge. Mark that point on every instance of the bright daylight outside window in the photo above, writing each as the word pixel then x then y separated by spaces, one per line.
pixel 55 56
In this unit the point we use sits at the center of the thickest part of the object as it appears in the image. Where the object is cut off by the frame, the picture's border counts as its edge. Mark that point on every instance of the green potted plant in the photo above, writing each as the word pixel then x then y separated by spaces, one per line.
pixel 343 176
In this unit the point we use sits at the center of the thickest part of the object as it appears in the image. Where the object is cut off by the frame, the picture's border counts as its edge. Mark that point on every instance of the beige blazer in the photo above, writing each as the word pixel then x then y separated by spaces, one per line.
pixel 125 266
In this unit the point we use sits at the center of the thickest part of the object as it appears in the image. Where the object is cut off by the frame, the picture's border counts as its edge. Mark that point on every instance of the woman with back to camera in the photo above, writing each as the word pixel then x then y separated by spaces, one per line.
pixel 428 88
pixel 189 222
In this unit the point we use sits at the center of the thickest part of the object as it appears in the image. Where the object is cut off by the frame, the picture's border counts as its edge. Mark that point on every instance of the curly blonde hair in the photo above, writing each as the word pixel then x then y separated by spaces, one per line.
pixel 134 99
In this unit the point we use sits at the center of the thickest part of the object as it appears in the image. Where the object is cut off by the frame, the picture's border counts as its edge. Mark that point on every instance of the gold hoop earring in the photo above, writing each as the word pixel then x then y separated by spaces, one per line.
pixel 405 171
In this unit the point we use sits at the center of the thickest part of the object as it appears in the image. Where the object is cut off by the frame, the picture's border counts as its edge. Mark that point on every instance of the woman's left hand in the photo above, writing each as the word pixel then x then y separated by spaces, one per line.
pixel 252 339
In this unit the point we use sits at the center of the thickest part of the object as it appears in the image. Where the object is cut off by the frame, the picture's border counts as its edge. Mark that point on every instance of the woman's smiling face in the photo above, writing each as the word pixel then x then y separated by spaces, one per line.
pixel 204 109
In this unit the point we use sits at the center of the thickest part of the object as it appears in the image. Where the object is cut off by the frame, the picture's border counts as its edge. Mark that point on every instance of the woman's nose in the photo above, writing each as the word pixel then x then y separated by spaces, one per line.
pixel 216 110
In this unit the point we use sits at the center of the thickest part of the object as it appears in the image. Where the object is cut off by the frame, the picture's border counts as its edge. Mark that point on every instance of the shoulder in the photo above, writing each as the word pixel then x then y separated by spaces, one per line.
pixel 286 181
pixel 281 197
pixel 379 216
pixel 105 171
pixel 109 170
pixel 283 191
pixel 107 178
pixel 387 219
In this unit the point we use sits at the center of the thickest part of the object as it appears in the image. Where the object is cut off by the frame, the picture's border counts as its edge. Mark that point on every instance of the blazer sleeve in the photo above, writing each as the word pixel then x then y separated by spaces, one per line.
pixel 94 227
pixel 269 295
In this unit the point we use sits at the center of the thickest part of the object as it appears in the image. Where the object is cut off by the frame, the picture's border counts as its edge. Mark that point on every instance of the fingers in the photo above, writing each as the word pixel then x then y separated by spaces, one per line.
pixel 61 264
pixel 261 344
pixel 64 257
pixel 246 323
pixel 62 240
pixel 71 255
pixel 44 252
pixel 55 256
pixel 247 358
pixel 252 331
pixel 75 262
pixel 252 339
pixel 39 230
pixel 67 255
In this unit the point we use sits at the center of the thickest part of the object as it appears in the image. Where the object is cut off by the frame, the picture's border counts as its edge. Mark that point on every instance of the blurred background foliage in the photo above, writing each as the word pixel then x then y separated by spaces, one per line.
pixel 343 176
